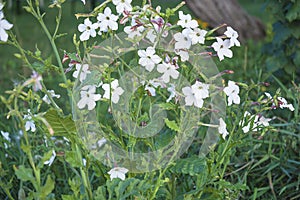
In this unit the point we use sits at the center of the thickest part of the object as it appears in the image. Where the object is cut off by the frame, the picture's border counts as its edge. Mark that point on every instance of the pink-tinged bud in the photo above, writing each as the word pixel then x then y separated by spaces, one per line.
pixel 126 17
pixel 255 103
pixel 65 58
pixel 228 71
pixel 266 84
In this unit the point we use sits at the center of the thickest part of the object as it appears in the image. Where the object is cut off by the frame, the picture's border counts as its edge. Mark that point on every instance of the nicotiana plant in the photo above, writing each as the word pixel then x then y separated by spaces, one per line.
pixel 148 108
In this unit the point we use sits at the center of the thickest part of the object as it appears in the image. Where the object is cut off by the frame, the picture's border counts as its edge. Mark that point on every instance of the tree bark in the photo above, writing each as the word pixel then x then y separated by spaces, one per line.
pixel 217 12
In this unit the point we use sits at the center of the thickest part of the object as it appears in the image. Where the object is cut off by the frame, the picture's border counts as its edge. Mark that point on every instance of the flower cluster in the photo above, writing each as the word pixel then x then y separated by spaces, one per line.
pixel 4 25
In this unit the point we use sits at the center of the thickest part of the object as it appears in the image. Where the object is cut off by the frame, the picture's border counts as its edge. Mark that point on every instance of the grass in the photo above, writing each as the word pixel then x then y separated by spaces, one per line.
pixel 269 166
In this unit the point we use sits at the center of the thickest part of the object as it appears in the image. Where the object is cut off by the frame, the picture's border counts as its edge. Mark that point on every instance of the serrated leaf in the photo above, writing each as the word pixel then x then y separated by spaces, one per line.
pixel 192 166
pixel 172 125
pixel 23 173
pixel 62 126
pixel 47 188
pixel 100 193
pixel 130 187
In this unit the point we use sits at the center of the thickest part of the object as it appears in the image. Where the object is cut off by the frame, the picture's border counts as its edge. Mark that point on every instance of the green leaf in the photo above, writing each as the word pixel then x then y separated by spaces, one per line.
pixel 294 12
pixel 172 124
pixel 192 166
pixel 167 106
pixel 46 157
pixel 68 197
pixel 48 187
pixel 130 187
pixel 23 173
pixel 61 125
pixel 72 159
pixel 100 193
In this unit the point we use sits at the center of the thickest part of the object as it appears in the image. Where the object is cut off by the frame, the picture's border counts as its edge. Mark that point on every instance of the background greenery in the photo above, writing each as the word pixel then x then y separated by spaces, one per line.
pixel 269 165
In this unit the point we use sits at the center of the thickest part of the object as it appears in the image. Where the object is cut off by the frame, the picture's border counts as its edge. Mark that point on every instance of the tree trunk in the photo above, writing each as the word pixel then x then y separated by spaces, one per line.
pixel 217 12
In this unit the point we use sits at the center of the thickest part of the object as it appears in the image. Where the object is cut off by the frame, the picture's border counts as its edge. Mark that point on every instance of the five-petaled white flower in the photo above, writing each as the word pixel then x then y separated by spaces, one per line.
pixel 122 5
pixel 118 172
pixel 50 161
pixel 222 128
pixel 168 71
pixel 195 94
pixel 197 36
pixel 148 58
pixel 183 41
pixel 232 91
pixel 186 21
pixel 107 20
pixel 4 26
pixel 82 71
pixel 29 125
pixel 88 97
pixel 35 79
pixel 222 48
pixel 114 89
pixel 232 35
pixel 88 29
pixel 53 95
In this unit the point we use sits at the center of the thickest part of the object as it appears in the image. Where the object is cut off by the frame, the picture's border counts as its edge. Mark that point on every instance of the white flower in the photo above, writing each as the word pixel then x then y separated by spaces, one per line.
pixel 222 48
pixel 88 97
pixel 118 172
pixel 122 5
pixel 185 21
pixel 6 136
pixel 83 1
pixel 168 70
pixel 82 71
pixel 1 6
pixel 263 121
pixel 29 125
pixel 36 78
pixel 151 35
pixel 172 91
pixel 84 162
pixel 148 58
pixel 222 128
pixel 232 91
pixel 283 104
pixel 88 29
pixel 133 31
pixel 107 20
pixel 232 35
pixel 198 36
pixel 243 121
pixel 114 89
pixel 195 94
pixel 259 121
pixel 184 55
pixel 50 161
pixel 53 95
pixel 101 142
pixel 151 87
pixel 4 26
pixel 201 90
pixel 183 41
